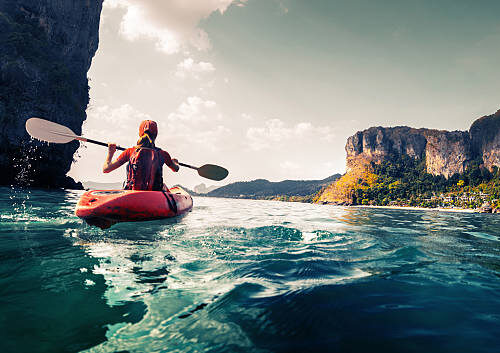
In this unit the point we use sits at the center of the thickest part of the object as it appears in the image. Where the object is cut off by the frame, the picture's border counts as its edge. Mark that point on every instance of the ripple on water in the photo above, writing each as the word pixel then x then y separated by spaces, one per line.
pixel 246 275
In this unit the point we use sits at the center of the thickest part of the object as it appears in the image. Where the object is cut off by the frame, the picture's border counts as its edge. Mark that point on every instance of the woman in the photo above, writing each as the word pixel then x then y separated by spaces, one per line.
pixel 145 160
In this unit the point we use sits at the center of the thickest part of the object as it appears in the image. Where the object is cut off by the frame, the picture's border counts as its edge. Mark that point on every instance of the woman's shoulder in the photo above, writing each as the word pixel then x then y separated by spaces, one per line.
pixel 165 154
pixel 130 150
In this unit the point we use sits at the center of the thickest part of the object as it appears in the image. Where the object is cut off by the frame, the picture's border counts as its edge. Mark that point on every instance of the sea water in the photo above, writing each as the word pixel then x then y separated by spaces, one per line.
pixel 247 276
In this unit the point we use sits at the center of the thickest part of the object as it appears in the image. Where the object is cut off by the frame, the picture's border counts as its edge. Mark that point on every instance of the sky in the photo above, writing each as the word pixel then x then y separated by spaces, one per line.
pixel 272 89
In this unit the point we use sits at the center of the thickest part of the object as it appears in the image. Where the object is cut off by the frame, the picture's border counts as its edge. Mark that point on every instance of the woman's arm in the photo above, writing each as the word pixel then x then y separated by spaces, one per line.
pixel 109 166
pixel 171 163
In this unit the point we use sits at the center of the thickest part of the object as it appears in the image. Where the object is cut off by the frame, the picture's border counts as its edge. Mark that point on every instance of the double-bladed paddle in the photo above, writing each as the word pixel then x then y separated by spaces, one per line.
pixel 49 131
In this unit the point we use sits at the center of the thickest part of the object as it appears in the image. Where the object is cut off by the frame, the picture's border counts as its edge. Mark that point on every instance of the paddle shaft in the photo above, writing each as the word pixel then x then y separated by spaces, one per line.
pixel 187 165
pixel 51 132
pixel 100 143
pixel 123 149
pixel 84 139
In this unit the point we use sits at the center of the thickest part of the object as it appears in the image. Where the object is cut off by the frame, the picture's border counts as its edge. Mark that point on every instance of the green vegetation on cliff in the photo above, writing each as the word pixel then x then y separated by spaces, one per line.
pixel 403 181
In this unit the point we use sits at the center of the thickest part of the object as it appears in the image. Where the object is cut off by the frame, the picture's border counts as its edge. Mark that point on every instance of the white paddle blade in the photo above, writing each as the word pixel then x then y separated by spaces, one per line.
pixel 49 131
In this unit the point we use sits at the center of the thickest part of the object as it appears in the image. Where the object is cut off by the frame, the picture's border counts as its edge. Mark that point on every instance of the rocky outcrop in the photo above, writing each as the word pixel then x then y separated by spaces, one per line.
pixel 445 152
pixel 341 192
pixel 203 189
pixel 46 48
pixel 485 139
pixel 380 143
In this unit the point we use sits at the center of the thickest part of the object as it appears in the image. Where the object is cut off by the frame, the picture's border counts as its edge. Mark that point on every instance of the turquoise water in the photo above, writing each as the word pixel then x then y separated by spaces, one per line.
pixel 247 276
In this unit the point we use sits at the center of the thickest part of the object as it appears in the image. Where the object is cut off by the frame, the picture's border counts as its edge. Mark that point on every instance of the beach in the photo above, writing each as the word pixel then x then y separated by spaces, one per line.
pixel 414 208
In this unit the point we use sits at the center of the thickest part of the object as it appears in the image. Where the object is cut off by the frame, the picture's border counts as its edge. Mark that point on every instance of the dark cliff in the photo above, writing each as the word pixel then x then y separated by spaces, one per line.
pixel 46 48
pixel 445 152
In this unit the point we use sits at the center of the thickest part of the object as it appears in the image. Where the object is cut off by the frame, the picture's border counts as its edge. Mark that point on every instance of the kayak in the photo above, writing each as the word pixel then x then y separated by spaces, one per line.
pixel 103 208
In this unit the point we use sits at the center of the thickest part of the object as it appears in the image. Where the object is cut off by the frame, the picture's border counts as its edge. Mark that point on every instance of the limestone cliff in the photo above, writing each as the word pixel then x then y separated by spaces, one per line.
pixel 46 48
pixel 445 152
pixel 485 139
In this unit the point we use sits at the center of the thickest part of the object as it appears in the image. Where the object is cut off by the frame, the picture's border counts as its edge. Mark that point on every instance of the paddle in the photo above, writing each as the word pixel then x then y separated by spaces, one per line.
pixel 49 131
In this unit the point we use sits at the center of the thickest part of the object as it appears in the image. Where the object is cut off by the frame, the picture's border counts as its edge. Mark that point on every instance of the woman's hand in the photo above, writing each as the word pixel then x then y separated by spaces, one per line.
pixel 176 164
pixel 108 164
pixel 111 148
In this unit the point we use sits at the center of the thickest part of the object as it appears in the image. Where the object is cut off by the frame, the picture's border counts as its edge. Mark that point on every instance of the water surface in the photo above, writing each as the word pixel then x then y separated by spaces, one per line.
pixel 247 276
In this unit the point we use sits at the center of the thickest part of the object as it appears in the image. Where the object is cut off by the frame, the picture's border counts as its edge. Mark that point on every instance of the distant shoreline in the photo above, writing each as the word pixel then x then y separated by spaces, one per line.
pixel 441 209
pixel 411 208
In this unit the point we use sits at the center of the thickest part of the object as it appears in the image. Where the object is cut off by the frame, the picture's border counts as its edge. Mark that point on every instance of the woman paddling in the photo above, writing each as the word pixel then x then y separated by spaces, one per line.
pixel 145 161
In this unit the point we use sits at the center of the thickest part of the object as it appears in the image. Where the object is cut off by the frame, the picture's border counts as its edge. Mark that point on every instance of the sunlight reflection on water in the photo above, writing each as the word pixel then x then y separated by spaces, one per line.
pixel 258 275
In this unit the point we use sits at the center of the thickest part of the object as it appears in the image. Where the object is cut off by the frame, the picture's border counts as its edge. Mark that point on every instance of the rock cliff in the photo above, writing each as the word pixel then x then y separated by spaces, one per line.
pixel 445 152
pixel 46 48
pixel 485 139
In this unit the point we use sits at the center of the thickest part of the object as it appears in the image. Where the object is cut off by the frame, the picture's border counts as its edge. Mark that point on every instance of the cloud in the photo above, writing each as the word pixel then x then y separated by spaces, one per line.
pixel 171 24
pixel 195 124
pixel 194 110
pixel 187 139
pixel 124 113
pixel 275 133
pixel 189 68
pixel 246 116
pixel 290 166
pixel 123 119
pixel 262 137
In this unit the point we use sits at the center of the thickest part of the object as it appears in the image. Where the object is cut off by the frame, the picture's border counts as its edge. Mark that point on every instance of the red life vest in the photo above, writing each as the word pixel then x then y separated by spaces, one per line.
pixel 145 170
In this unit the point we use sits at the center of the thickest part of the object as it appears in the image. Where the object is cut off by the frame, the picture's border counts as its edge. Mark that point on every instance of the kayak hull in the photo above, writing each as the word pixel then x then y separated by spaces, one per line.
pixel 103 208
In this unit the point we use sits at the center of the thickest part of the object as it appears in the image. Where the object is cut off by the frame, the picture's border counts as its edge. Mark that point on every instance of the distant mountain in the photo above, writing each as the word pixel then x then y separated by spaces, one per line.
pixel 203 189
pixel 189 191
pixel 265 189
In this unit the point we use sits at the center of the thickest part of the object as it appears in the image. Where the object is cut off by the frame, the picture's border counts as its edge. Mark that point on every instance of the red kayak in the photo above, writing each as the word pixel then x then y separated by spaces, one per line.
pixel 103 208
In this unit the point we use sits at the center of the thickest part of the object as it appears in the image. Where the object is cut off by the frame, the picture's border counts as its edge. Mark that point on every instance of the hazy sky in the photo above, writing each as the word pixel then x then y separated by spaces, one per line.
pixel 272 88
